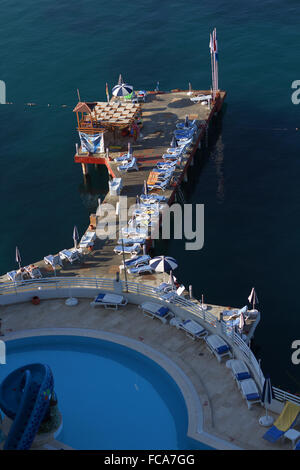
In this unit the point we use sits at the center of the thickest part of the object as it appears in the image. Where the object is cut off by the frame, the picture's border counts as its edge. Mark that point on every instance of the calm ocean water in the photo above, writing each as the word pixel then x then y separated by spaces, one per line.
pixel 249 182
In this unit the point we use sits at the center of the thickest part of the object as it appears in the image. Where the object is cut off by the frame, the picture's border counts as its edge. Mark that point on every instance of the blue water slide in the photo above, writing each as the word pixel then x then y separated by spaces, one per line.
pixel 25 398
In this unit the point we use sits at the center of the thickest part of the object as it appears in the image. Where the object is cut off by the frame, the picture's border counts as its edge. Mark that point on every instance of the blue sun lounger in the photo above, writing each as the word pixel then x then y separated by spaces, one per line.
pixel 131 165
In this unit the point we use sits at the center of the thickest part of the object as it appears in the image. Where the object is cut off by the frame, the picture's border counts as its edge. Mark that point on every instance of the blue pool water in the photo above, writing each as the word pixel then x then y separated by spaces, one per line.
pixel 110 396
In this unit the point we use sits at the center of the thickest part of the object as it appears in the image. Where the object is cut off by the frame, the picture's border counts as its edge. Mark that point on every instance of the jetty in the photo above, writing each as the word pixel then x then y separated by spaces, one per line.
pixel 148 141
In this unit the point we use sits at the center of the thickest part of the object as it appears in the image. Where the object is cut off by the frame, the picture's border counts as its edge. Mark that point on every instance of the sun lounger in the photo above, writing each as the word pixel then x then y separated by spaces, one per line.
pixel 133 250
pixel 171 295
pixel 167 165
pixel 53 260
pixel 33 272
pixel 192 329
pixel 184 134
pixel 88 239
pixel 140 269
pixel 109 301
pixel 131 241
pixel 160 185
pixel 185 142
pixel 152 197
pixel 154 310
pixel 70 255
pixel 164 287
pixel 15 276
pixel 250 392
pixel 132 165
pixel 170 156
pixel 137 260
pixel 239 370
pixel 201 98
pixel 126 157
pixel 218 346
pixel 284 422
pixel 134 232
pixel 175 150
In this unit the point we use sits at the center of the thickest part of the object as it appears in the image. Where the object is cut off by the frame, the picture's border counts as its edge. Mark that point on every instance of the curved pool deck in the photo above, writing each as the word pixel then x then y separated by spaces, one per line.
pixel 218 415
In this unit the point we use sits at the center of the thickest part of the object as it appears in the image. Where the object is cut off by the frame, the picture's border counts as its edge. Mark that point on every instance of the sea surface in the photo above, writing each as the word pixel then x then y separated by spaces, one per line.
pixel 249 178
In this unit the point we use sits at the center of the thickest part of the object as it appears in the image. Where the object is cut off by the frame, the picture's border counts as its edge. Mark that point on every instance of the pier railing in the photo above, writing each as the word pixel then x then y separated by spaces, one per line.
pixel 57 287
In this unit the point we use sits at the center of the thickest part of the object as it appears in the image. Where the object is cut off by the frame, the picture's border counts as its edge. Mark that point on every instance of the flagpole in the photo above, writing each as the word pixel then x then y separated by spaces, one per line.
pixel 211 61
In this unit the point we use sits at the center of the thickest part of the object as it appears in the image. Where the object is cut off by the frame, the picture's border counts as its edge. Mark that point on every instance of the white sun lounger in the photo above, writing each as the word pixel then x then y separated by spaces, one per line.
pixel 34 273
pixel 140 269
pixel 14 276
pixel 53 260
pixel 239 370
pixel 250 392
pixel 153 310
pixel 192 329
pixel 131 165
pixel 218 346
pixel 88 239
pixel 109 300
pixel 69 255
pixel 170 295
pixel 137 260
pixel 134 249
pixel 164 287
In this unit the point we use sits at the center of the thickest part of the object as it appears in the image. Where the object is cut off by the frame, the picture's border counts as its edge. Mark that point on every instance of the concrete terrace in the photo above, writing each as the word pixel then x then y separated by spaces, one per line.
pixel 225 412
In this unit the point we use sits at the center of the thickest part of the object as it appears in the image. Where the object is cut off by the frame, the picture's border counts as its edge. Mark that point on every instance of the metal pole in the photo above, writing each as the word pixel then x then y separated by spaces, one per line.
pixel 125 272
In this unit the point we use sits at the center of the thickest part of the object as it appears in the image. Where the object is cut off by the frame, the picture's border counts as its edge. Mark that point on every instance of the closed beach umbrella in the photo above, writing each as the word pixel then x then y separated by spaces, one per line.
pixel 145 188
pixel 253 298
pixel 122 90
pixel 18 257
pixel 266 398
pixel 172 281
pixel 186 121
pixel 75 236
pixel 120 81
pixel 174 143
pixel 241 322
pixel 129 149
pixel 163 264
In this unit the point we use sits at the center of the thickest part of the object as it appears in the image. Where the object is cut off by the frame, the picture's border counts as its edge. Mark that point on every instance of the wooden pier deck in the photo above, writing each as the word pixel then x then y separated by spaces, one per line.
pixel 161 113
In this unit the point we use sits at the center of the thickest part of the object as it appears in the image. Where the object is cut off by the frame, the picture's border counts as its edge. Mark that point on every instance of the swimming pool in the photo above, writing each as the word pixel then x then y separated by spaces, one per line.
pixel 110 396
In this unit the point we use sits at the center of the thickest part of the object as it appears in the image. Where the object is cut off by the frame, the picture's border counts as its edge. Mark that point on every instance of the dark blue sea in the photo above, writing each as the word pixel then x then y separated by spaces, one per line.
pixel 249 176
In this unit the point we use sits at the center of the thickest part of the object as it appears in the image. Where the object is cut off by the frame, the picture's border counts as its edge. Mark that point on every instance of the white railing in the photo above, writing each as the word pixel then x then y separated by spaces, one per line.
pixel 58 283
pixel 283 396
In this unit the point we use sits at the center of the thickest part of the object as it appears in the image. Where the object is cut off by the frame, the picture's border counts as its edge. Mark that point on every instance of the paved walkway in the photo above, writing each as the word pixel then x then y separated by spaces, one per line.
pixel 225 412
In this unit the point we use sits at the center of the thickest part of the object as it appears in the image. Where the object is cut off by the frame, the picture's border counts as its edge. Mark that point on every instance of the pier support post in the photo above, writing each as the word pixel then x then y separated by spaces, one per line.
pixel 85 169
pixel 200 145
pixel 185 177
pixel 192 162
pixel 77 150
